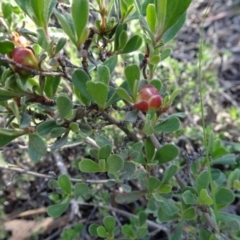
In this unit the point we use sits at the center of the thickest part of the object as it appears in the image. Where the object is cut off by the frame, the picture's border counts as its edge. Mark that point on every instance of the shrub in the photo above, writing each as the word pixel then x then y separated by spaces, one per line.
pixel 91 64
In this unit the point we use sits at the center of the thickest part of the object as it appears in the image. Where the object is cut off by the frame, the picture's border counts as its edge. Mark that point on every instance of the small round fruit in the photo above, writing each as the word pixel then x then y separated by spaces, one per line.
pixel 25 57
pixel 148 99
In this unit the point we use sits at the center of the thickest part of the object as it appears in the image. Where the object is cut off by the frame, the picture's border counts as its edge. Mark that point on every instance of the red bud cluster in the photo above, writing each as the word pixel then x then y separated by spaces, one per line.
pixel 148 98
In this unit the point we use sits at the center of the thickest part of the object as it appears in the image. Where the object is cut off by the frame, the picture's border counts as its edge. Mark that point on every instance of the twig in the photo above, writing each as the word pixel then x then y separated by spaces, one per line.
pixel 49 176
pixel 63 170
pixel 120 125
pixel 34 71
pixel 150 223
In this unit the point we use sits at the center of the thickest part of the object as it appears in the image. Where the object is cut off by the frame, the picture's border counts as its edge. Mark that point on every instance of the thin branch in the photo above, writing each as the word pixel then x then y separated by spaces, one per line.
pixel 120 125
pixel 49 176
pixel 34 71
pixel 150 223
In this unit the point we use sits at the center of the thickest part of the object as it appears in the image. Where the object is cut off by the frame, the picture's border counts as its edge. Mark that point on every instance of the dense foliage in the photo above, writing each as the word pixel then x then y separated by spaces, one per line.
pixel 88 73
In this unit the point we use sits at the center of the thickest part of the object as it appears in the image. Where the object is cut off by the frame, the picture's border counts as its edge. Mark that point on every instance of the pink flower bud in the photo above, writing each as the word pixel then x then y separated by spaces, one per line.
pixel 148 99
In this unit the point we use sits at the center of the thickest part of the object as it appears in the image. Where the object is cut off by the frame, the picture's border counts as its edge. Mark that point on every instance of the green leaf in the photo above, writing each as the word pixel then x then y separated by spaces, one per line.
pixel 170 125
pixel 79 80
pixel 42 39
pixel 74 127
pixel 227 217
pixel 65 183
pixel 6 47
pixel 145 26
pixel 125 198
pixel 148 128
pixel 177 233
pixel 115 163
pixel 109 223
pixel 104 152
pixel 156 83
pixel 93 229
pixel 7 10
pixel 189 198
pixel 163 217
pixel 53 184
pixel 172 31
pixel 169 173
pixel 36 147
pixel 166 153
pixel 236 184
pixel 26 6
pixel 60 141
pixel 102 232
pixel 189 213
pixel 37 7
pixel 234 175
pixel 230 226
pixel 48 8
pixel 80 15
pixel 111 63
pixel 123 38
pixel 89 166
pixel 204 198
pixel 60 44
pixel 64 105
pixel 166 53
pixel 57 210
pixel 149 149
pixel 80 189
pixel 133 44
pixel 99 92
pixel 151 17
pixel 132 73
pixel 103 74
pixel 226 159
pixel 121 92
pixel 224 196
pixel 25 120
pixel 142 218
pixel 102 164
pixel 58 131
pixel 8 135
pixel 46 127
pixel 168 205
pixel 15 110
pixel 112 96
pixel 166 188
pixel 51 85
pixel 161 11
pixel 66 23
pixel 121 27
pixel 141 232
pixel 153 184
pixel 174 11
pixel 154 59
pixel 127 230
pixel 202 181
pixel 216 174
pixel 6 95
pixel 219 152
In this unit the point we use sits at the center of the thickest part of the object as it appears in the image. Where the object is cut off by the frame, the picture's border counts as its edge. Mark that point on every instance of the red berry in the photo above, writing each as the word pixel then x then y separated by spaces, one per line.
pixel 26 57
pixel 148 99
